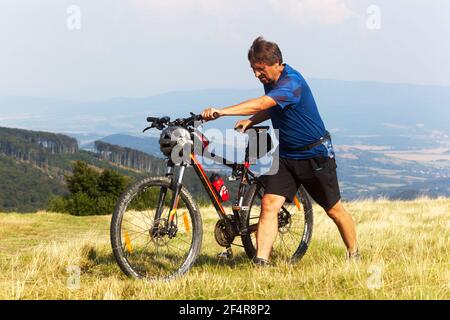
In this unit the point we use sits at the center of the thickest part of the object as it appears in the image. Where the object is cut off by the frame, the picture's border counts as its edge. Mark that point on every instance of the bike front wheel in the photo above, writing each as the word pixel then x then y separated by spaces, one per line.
pixel 295 224
pixel 145 244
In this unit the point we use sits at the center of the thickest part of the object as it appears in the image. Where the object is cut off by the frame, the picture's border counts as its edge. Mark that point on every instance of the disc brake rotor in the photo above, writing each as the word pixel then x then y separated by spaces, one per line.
pixel 284 223
pixel 158 233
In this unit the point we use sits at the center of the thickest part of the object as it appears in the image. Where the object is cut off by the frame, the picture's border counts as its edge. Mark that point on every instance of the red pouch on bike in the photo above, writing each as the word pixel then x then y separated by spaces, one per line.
pixel 220 187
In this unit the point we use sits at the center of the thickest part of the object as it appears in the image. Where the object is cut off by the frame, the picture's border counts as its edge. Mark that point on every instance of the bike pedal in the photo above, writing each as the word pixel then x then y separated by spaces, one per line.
pixel 227 255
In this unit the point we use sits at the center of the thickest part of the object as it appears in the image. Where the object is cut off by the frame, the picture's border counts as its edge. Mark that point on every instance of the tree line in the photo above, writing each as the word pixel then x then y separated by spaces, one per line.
pixel 35 147
pixel 129 158
pixel 41 170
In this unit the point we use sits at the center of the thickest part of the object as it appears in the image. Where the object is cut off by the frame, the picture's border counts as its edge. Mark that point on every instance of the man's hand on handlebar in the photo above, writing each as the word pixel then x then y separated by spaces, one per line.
pixel 243 125
pixel 210 114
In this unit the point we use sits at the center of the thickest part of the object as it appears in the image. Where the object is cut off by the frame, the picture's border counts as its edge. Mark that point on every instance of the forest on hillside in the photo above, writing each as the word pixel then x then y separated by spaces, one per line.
pixel 34 167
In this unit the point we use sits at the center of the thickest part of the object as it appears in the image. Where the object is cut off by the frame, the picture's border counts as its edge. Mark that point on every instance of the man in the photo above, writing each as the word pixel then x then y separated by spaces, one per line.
pixel 306 152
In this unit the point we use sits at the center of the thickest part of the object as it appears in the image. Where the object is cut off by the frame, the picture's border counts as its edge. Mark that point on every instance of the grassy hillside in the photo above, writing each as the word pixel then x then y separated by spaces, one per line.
pixel 405 247
pixel 24 187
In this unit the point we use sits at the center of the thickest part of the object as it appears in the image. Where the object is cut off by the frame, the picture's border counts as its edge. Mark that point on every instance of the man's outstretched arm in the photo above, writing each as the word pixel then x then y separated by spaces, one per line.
pixel 243 125
pixel 260 117
pixel 246 108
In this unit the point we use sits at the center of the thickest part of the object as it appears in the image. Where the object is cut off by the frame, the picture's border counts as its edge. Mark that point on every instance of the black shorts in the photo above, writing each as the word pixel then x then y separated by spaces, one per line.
pixel 317 175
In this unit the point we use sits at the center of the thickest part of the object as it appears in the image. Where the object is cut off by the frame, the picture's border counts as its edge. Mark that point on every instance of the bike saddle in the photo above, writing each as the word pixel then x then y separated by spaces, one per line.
pixel 260 128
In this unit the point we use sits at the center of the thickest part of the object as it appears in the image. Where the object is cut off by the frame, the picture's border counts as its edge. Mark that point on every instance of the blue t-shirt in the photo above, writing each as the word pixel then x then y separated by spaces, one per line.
pixel 296 116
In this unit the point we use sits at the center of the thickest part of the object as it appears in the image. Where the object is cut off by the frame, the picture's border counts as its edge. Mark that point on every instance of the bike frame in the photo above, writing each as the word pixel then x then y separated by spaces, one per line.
pixel 246 177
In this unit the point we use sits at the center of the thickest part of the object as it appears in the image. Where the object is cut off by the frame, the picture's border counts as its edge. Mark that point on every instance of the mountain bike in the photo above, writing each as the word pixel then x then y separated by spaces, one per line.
pixel 156 227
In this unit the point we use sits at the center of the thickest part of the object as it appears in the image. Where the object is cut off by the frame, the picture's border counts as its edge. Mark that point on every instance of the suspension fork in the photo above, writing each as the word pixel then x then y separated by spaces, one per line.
pixel 163 193
pixel 175 199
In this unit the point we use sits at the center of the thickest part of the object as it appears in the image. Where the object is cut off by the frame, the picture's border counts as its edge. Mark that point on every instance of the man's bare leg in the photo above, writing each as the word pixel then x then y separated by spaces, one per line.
pixel 268 224
pixel 345 224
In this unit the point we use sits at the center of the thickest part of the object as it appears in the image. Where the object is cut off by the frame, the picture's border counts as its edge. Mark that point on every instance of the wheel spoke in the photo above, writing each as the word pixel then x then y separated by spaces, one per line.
pixel 139 218
pixel 136 225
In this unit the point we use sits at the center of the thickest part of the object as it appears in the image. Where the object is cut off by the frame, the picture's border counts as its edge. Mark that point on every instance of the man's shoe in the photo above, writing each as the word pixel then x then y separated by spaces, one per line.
pixel 261 262
pixel 353 256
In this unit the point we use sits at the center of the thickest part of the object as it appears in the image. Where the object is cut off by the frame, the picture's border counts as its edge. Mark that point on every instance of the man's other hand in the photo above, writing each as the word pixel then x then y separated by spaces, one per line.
pixel 211 114
pixel 243 125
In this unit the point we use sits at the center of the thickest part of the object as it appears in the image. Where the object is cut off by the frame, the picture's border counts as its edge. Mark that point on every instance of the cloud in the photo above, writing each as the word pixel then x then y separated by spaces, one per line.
pixel 180 7
pixel 395 126
pixel 325 12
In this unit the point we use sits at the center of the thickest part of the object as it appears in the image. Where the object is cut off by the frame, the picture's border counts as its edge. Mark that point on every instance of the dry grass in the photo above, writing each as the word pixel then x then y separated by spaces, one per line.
pixel 405 247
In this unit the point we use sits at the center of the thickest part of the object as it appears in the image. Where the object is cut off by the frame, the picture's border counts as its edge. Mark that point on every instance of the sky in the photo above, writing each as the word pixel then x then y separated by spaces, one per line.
pixel 93 50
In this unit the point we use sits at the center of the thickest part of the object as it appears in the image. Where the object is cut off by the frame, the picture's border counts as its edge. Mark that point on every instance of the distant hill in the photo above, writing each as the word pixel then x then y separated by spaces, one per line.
pixel 398 115
pixel 26 188
pixel 129 157
pixel 149 145
pixel 433 188
pixel 33 164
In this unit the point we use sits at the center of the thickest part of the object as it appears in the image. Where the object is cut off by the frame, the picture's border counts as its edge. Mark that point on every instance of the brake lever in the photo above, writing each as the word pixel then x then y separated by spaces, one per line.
pixel 148 128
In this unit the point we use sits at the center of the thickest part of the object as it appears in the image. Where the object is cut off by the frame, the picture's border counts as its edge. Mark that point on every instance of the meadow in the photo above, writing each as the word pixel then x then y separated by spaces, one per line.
pixel 405 248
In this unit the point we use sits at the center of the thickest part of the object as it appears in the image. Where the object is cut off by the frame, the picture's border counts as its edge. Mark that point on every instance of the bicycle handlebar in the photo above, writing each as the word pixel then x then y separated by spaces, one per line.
pixel 161 123
pixel 159 120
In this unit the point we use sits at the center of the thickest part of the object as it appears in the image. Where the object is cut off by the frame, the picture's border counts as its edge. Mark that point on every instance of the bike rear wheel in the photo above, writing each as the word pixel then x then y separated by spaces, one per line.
pixel 295 225
pixel 144 244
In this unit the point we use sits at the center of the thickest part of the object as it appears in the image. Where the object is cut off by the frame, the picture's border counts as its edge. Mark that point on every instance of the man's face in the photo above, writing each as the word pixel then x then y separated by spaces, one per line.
pixel 267 74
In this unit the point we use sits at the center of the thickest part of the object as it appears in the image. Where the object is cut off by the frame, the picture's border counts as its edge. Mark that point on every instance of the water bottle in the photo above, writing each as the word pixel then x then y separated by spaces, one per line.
pixel 220 187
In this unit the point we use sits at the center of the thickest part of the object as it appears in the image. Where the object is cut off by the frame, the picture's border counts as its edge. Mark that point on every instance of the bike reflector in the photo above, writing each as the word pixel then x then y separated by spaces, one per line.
pixel 186 222
pixel 128 243
pixel 297 203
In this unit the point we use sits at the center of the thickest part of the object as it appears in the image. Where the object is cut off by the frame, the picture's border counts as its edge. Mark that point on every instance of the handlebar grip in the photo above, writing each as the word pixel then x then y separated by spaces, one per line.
pixel 151 119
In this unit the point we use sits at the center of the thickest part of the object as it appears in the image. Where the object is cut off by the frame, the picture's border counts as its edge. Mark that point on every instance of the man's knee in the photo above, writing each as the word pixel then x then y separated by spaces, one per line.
pixel 271 204
pixel 337 211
